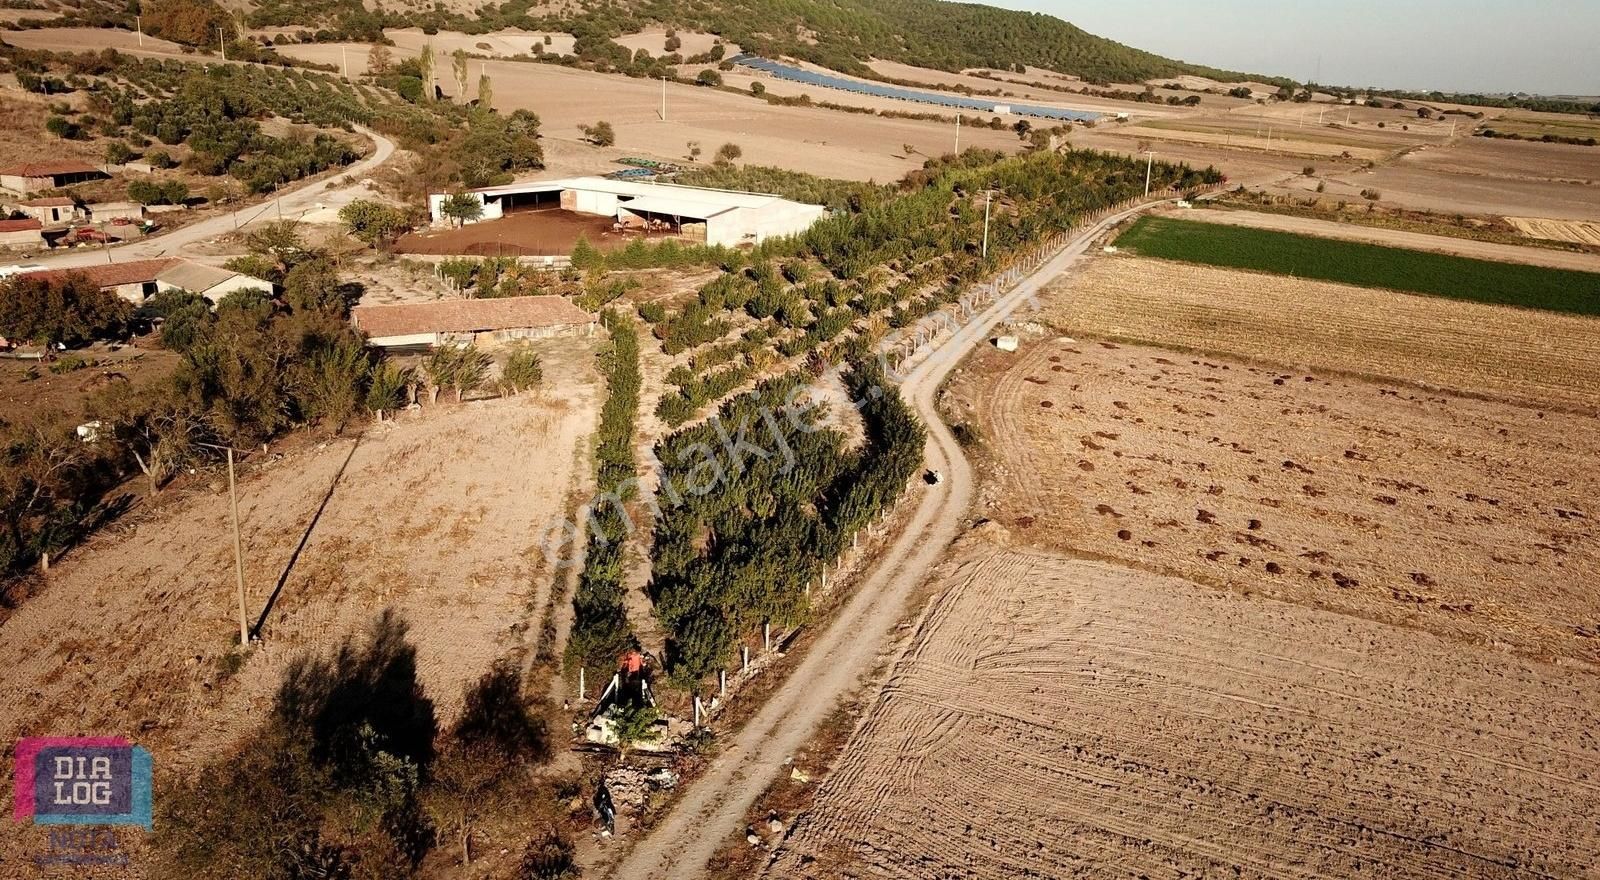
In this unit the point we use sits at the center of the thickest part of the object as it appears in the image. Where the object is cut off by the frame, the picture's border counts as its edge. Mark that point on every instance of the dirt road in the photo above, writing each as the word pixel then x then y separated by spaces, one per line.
pixel 332 192
pixel 715 804
pixel 1461 247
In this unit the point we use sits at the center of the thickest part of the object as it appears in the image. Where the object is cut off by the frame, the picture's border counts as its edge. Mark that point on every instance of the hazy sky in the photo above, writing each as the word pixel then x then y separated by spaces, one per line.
pixel 1547 46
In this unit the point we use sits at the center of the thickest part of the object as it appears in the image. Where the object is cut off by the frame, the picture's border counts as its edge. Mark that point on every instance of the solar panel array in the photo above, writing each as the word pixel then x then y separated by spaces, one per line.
pixel 800 75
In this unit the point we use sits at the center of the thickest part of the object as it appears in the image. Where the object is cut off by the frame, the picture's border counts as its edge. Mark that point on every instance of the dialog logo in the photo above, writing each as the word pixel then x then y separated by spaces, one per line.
pixel 63 780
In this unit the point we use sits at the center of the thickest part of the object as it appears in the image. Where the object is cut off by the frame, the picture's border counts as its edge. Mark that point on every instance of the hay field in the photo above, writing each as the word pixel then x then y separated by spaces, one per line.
pixel 1057 718
pixel 1483 349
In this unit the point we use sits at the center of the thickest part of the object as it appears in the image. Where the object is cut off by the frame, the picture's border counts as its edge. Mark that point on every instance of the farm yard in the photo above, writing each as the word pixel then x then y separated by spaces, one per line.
pixel 1056 717
pixel 529 233
pixel 1364 264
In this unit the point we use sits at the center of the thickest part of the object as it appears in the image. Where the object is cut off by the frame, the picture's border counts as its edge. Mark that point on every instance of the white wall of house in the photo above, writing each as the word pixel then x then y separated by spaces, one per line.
pixel 22 238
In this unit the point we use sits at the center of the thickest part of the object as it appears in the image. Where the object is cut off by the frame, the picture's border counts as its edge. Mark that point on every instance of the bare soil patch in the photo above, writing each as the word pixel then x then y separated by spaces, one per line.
pixel 528 233
pixel 90 40
pixel 654 41
pixel 1423 341
pixel 1481 176
pixel 1062 718
pixel 29 388
pixel 1473 520
pixel 827 143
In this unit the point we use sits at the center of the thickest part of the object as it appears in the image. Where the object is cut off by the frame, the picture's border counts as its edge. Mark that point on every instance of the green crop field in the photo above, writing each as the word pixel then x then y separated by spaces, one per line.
pixel 1365 265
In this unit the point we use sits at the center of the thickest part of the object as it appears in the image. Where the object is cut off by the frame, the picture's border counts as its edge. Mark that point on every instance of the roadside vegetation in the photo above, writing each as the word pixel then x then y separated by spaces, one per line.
pixel 1365 265
pixel 353 776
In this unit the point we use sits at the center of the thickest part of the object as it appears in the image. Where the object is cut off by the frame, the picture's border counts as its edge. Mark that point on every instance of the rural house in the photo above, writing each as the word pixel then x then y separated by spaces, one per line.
pixel 210 282
pixel 137 280
pixel 53 211
pixel 35 176
pixel 463 321
pixel 21 233
pixel 112 212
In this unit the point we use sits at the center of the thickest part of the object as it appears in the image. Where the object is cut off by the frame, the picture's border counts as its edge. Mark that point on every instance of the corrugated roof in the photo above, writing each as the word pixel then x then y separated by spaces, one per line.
pixel 195 277
pixel 54 202
pixel 468 316
pixel 48 169
pixel 697 194
pixel 115 274
pixel 676 207
pixel 20 225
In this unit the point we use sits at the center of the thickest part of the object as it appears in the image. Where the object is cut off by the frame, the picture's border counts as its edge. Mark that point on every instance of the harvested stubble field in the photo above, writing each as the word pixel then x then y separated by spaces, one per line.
pixel 1469 347
pixel 1060 718
pixel 1575 231
pixel 1471 519
pixel 1365 264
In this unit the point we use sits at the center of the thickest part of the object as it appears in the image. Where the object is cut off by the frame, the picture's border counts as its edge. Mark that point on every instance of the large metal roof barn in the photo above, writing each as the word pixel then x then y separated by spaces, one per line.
pixel 728 217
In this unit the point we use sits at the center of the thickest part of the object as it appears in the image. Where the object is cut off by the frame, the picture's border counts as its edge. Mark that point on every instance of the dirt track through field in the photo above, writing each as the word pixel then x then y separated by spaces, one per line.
pixel 681 844
pixel 1059 718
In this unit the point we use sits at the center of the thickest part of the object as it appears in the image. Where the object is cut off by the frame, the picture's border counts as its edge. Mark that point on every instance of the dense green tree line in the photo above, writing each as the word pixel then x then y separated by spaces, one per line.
pixel 755 501
pixel 600 630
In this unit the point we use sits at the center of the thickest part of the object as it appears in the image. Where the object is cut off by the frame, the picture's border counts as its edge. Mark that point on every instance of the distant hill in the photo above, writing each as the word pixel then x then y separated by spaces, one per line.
pixel 840 34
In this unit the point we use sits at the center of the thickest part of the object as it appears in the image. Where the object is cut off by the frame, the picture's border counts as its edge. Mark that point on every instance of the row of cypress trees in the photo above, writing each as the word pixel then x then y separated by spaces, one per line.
pixel 744 530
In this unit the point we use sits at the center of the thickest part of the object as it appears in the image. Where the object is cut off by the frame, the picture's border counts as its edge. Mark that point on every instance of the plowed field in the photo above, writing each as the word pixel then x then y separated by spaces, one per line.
pixel 1058 718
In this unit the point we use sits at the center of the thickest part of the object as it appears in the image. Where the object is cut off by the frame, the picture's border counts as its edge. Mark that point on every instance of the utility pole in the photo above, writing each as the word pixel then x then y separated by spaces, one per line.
pixel 344 60
pixel 988 198
pixel 138 25
pixel 1149 169
pixel 663 99
pixel 958 133
pixel 238 545
pixel 223 43
pixel 238 553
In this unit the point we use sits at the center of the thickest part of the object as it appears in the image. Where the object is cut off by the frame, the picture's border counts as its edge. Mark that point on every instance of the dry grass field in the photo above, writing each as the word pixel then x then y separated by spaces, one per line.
pixel 437 515
pixel 1057 718
pixel 1426 341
